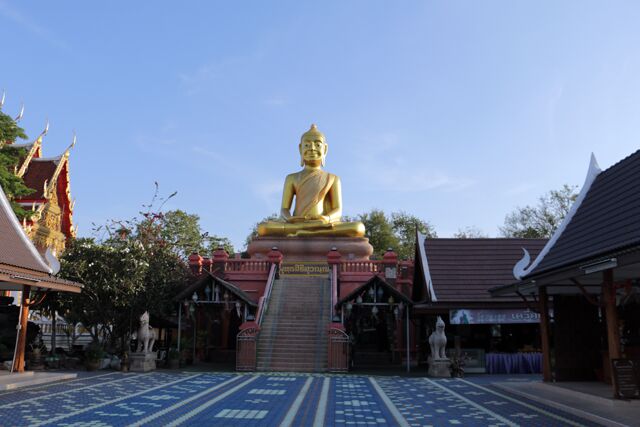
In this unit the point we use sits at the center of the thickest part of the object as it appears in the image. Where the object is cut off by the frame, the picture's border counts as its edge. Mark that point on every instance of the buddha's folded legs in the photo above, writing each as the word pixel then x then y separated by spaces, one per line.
pixel 275 228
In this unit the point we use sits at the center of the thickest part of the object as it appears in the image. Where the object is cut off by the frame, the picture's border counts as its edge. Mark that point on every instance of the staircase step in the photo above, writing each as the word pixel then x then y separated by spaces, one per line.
pixel 293 334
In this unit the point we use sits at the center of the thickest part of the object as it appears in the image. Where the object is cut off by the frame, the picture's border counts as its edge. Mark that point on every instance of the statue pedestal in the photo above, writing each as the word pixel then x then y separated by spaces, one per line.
pixel 439 368
pixel 142 362
pixel 312 248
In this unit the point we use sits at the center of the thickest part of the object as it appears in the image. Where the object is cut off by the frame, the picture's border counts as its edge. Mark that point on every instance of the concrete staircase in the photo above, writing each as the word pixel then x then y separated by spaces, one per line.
pixel 293 334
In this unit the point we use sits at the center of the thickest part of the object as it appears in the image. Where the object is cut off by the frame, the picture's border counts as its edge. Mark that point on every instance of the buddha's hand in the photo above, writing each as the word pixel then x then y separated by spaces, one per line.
pixel 296 218
pixel 319 219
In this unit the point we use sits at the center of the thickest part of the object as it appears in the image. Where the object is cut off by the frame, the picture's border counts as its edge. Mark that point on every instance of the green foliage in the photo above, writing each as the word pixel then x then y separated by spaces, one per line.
pixel 254 230
pixel 12 185
pixel 472 232
pixel 404 227
pixel 379 231
pixel 397 231
pixel 113 274
pixel 9 129
pixel 542 220
pixel 138 265
pixel 94 352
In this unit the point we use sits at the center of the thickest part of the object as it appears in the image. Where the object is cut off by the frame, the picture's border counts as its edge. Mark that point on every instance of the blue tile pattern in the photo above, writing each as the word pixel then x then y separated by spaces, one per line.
pixel 222 399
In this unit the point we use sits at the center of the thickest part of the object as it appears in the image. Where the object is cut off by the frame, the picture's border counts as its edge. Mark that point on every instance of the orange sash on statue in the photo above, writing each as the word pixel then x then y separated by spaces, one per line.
pixel 312 190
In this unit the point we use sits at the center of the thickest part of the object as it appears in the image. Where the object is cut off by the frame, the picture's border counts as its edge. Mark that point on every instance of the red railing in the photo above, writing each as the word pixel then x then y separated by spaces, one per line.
pixel 338 350
pixel 263 303
pixel 376 266
pixel 246 265
pixel 246 346
pixel 247 338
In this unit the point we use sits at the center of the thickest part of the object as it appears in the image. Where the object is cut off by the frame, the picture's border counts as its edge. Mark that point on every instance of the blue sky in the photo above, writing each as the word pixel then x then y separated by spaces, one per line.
pixel 455 111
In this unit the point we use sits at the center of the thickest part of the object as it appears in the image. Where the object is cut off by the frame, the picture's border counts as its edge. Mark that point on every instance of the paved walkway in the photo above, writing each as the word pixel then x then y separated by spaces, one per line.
pixel 227 399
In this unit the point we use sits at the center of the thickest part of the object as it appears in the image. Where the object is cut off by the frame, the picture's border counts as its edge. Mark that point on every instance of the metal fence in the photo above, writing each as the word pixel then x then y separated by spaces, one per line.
pixel 246 349
pixel 338 351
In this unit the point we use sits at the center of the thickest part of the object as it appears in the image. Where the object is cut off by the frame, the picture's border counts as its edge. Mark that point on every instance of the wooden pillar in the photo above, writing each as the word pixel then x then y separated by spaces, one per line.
pixel 544 334
pixel 613 335
pixel 18 360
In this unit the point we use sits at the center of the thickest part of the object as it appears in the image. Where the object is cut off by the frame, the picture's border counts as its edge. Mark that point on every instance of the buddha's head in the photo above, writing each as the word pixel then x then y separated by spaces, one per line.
pixel 313 147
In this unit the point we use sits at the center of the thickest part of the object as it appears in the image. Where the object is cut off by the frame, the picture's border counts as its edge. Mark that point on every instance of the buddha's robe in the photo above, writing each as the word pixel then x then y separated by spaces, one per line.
pixel 312 190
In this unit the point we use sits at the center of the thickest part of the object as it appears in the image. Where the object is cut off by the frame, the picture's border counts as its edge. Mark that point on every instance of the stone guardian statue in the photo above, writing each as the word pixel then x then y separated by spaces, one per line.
pixel 439 364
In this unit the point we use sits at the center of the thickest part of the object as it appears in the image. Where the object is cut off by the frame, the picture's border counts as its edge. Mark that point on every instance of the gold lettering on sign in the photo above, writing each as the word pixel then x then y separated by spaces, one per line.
pixel 316 269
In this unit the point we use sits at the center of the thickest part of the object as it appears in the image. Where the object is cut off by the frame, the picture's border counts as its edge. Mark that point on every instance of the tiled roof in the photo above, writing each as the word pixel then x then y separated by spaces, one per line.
pixel 15 247
pixel 205 279
pixel 38 172
pixel 607 220
pixel 465 269
pixel 40 280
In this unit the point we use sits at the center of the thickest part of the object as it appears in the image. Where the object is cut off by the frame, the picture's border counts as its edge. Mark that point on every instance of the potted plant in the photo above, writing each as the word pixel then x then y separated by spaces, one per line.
pixel 93 356
pixel 124 363
pixel 174 358
pixel 458 362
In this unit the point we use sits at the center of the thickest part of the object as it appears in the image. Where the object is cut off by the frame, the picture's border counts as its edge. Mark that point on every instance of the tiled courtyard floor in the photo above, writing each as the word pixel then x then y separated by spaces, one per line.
pixel 227 399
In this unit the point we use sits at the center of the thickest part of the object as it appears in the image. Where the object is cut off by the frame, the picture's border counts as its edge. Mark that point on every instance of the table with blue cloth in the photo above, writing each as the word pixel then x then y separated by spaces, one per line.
pixel 514 363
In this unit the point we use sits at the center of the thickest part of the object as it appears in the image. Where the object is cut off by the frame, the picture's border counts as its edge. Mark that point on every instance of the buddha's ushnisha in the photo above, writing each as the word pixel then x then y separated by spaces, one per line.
pixel 318 197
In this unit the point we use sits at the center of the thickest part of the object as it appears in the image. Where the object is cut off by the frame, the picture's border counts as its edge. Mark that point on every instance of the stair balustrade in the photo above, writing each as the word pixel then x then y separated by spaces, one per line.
pixel 246 340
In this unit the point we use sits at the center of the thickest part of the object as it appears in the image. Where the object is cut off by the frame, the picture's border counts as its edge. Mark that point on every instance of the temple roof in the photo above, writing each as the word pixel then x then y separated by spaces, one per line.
pixel 375 281
pixel 20 261
pixel 205 279
pixel 465 269
pixel 15 247
pixel 39 172
pixel 606 219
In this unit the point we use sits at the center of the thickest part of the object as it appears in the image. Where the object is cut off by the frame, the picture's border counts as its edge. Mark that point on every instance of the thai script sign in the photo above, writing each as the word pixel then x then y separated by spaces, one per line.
pixel 292 268
pixel 499 316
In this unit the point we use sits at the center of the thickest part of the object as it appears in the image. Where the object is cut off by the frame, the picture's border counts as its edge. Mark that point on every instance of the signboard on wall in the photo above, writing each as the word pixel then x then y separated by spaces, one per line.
pixel 302 268
pixel 467 316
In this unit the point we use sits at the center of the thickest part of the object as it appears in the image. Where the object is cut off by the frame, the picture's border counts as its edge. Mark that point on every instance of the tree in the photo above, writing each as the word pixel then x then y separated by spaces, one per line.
pixel 254 230
pixel 379 231
pixel 404 227
pixel 138 265
pixel 542 220
pixel 12 185
pixel 113 274
pixel 397 231
pixel 471 232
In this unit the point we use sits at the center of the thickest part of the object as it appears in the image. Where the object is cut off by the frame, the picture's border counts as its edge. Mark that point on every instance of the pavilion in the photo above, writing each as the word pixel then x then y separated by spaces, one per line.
pixel 591 269
pixel 452 279
pixel 23 268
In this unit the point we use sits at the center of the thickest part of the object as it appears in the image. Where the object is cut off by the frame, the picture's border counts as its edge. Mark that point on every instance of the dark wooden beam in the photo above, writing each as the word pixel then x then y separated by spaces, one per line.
pixel 18 362
pixel 586 294
pixel 544 334
pixel 613 335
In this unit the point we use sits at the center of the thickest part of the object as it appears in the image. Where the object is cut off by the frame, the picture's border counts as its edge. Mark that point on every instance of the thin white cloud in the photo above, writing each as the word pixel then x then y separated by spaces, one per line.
pixel 209 154
pixel 212 74
pixel 276 101
pixel 13 14
pixel 519 189
pixel 269 191
pixel 554 99
pixel 385 165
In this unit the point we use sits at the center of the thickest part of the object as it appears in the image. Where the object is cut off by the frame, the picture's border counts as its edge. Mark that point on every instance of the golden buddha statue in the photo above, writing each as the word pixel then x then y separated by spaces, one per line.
pixel 318 204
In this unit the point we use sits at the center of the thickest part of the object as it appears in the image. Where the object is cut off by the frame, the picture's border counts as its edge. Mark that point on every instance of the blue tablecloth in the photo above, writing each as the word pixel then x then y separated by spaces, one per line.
pixel 514 363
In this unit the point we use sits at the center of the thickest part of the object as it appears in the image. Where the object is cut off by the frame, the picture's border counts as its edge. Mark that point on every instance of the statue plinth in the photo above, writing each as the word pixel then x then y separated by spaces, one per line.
pixel 311 248
pixel 143 362
pixel 439 368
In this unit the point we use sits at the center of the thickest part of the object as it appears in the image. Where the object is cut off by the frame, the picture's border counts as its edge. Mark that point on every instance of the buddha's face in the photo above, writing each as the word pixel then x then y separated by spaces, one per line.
pixel 313 149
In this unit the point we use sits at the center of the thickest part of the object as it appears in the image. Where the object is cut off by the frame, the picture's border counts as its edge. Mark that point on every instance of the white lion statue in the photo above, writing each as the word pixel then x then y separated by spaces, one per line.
pixel 438 341
pixel 146 334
